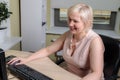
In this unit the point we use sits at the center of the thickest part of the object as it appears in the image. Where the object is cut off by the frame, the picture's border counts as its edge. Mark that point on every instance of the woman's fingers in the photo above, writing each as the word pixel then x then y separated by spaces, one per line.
pixel 15 61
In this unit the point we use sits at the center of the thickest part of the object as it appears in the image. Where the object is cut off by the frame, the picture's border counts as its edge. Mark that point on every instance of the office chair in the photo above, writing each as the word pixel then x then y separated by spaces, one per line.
pixel 111 58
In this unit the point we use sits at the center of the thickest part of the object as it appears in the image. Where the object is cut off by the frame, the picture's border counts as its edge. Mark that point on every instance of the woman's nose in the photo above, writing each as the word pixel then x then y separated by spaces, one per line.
pixel 71 23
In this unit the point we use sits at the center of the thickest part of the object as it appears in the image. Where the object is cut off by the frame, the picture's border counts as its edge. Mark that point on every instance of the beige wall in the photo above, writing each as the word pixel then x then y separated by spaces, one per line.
pixel 15 21
pixel 48 12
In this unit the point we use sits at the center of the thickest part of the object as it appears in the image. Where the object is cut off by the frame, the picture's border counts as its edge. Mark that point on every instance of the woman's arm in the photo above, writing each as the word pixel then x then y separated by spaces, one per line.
pixel 96 59
pixel 55 46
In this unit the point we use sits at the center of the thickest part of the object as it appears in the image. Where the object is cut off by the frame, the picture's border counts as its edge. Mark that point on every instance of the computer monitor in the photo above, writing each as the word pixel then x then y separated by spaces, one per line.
pixel 3 71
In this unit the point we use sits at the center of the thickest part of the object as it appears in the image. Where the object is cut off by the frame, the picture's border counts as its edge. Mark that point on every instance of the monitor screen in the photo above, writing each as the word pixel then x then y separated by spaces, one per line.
pixel 3 72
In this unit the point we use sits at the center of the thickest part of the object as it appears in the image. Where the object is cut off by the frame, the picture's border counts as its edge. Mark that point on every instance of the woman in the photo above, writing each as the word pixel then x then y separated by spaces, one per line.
pixel 83 49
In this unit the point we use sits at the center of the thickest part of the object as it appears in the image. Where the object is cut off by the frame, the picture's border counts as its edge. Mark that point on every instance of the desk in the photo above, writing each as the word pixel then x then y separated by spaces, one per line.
pixel 45 66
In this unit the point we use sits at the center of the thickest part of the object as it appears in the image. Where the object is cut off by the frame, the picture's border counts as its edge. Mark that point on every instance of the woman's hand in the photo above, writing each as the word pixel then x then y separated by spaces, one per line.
pixel 17 61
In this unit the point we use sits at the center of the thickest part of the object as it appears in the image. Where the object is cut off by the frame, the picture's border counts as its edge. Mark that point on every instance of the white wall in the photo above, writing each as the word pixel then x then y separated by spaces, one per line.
pixel 96 4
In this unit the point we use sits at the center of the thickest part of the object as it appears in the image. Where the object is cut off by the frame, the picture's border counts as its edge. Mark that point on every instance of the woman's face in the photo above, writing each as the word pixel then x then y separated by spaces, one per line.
pixel 75 23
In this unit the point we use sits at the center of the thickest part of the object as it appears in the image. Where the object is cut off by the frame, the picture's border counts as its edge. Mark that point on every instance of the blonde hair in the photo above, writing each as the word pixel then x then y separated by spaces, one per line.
pixel 86 14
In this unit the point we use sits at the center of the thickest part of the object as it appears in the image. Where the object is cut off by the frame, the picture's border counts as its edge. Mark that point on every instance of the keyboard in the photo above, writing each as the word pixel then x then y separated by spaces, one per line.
pixel 24 72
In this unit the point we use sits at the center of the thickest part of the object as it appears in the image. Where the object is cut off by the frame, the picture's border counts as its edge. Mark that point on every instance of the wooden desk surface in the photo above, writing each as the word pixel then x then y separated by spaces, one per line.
pixel 45 66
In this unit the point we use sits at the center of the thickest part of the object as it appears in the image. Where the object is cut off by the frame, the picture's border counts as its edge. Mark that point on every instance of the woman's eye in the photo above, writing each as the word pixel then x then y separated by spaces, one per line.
pixel 69 20
pixel 75 21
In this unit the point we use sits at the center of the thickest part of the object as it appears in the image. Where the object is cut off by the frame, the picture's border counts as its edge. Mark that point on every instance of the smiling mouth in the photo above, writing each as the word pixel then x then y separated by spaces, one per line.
pixel 72 29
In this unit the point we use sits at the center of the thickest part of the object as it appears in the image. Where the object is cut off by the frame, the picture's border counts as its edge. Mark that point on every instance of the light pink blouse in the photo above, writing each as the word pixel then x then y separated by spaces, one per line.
pixel 79 63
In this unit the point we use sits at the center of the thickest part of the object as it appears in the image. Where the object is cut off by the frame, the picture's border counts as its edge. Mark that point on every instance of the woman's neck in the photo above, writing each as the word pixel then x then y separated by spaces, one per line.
pixel 79 36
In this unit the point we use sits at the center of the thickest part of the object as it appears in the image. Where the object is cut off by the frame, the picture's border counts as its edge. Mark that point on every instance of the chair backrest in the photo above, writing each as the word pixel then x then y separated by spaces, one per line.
pixel 111 56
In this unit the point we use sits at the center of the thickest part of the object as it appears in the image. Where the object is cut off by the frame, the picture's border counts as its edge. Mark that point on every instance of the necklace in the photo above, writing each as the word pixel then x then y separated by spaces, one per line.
pixel 72 48
pixel 73 42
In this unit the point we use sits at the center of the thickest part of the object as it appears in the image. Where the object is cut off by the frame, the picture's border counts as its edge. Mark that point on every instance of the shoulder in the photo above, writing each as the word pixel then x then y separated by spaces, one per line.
pixel 96 38
pixel 91 35
pixel 97 43
pixel 63 36
pixel 66 34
